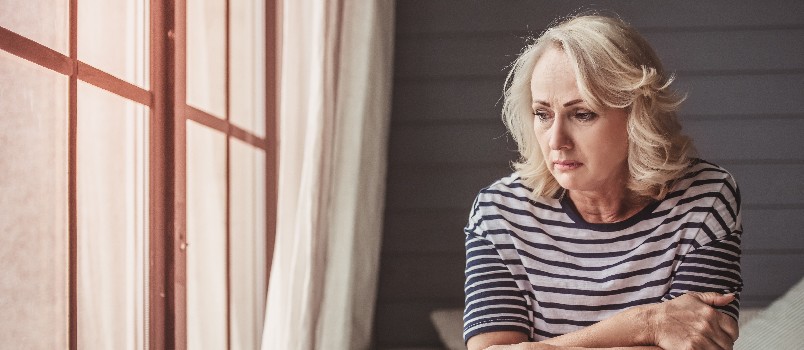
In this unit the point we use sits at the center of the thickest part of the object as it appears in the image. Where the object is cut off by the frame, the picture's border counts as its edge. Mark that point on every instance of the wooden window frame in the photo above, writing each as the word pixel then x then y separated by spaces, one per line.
pixel 168 115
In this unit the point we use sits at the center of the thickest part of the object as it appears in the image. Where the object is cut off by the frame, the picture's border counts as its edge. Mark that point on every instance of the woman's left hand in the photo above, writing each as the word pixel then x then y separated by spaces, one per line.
pixel 691 322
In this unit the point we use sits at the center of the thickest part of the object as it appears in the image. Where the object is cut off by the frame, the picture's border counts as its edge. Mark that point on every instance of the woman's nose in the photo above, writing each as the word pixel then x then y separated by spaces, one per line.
pixel 559 139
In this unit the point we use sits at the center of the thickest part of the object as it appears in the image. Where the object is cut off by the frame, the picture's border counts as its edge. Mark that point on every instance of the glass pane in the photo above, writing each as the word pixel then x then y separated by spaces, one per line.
pixel 33 206
pixel 113 36
pixel 247 65
pixel 43 21
pixel 206 235
pixel 112 198
pixel 247 243
pixel 206 55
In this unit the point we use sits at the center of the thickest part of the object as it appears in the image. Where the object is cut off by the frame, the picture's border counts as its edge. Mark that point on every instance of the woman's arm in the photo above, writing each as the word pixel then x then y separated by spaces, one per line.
pixel 518 341
pixel 687 322
pixel 485 340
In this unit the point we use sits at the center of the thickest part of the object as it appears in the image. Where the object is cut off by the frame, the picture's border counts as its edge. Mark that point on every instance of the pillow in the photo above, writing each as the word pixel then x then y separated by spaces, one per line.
pixel 449 325
pixel 780 326
pixel 747 314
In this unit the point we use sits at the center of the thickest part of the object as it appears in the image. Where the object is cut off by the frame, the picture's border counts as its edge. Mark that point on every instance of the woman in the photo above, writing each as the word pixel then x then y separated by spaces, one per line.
pixel 609 234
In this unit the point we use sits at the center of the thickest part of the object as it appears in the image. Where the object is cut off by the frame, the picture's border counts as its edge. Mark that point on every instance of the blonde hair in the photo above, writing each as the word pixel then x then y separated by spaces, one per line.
pixel 615 67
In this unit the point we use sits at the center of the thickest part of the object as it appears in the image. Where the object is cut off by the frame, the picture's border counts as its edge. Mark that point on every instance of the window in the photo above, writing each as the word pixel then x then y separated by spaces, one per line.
pixel 138 165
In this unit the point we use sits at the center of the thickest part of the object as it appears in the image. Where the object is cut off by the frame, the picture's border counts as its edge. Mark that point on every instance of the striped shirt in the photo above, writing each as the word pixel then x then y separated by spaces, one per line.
pixel 533 265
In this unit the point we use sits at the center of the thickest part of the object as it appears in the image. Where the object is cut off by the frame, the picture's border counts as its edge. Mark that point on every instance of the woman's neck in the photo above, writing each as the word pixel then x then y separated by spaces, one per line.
pixel 607 207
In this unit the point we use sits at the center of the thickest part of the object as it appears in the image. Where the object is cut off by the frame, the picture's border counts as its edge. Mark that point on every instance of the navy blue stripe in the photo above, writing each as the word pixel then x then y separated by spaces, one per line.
pixel 545 334
pixel 478 314
pixel 476 273
pixel 522 199
pixel 607 278
pixel 491 285
pixel 695 183
pixel 603 292
pixel 484 261
pixel 530 294
pixel 731 263
pixel 602 307
pixel 552 321
pixel 732 273
pixel 686 287
pixel 683 279
pixel 727 255
pixel 517 183
pixel 573 266
pixel 494 293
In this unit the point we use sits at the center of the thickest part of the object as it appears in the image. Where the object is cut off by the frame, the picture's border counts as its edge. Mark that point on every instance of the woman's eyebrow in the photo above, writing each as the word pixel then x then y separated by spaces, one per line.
pixel 546 104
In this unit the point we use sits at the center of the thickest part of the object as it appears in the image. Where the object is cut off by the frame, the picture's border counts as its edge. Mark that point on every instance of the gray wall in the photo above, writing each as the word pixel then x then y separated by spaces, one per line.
pixel 741 62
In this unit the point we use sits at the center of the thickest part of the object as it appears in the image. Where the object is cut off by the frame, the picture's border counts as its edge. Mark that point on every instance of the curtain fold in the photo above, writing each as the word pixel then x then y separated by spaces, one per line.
pixel 334 112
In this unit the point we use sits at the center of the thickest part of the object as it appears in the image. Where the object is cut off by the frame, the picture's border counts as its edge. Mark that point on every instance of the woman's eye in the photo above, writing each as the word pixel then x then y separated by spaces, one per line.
pixel 541 116
pixel 585 116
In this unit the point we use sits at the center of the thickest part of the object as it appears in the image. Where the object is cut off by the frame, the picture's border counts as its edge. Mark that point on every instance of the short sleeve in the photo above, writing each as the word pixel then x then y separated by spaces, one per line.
pixel 714 266
pixel 493 301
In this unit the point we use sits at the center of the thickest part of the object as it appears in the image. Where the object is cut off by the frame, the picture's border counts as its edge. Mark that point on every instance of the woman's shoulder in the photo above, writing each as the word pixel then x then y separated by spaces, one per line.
pixel 511 191
pixel 510 182
pixel 508 200
pixel 510 186
pixel 703 173
pixel 708 185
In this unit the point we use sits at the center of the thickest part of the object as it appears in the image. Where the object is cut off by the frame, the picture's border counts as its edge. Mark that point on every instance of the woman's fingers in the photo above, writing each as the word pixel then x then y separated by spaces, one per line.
pixel 726 323
pixel 710 328
pixel 730 326
pixel 722 339
pixel 714 299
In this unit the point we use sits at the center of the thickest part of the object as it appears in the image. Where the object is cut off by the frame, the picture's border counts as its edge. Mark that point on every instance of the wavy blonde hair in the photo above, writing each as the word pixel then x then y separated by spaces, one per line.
pixel 615 67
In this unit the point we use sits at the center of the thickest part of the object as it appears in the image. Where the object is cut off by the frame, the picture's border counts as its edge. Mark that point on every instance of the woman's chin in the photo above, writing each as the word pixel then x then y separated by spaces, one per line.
pixel 568 181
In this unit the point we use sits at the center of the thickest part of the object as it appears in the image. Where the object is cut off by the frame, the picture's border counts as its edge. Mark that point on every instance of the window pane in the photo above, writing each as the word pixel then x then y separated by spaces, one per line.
pixel 206 55
pixel 113 36
pixel 206 235
pixel 33 205
pixel 247 65
pixel 43 21
pixel 247 244
pixel 112 197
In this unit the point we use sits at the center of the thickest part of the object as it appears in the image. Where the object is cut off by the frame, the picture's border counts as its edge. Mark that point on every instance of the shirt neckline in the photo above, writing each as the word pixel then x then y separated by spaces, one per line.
pixel 569 208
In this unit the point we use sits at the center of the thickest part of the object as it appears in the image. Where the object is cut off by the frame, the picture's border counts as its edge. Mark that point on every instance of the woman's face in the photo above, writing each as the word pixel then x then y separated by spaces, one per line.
pixel 585 149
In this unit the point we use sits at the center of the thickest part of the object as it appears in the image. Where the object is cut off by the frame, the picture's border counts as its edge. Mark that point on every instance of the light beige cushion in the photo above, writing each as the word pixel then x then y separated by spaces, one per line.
pixel 779 327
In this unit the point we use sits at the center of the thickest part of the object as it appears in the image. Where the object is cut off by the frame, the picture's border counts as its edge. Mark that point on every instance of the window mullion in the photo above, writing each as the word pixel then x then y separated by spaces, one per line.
pixel 72 145
pixel 160 253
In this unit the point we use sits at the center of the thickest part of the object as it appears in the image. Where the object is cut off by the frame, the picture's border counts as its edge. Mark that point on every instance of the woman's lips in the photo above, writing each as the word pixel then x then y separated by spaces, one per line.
pixel 565 165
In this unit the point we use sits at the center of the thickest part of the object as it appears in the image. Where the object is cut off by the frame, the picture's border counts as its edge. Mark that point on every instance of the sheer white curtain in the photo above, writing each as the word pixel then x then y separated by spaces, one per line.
pixel 335 105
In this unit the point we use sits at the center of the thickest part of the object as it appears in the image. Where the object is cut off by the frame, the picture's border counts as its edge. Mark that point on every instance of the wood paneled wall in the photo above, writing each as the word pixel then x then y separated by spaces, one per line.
pixel 741 62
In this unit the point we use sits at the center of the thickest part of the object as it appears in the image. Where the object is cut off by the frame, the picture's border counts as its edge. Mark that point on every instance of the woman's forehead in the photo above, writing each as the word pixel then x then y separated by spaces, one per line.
pixel 553 79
